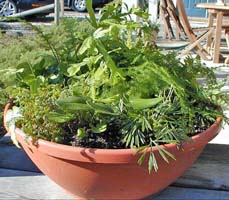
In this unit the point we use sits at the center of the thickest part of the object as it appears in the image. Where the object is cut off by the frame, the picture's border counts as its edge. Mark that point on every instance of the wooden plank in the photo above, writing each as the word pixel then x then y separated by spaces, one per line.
pixel 218 32
pixel 26 185
pixel 177 193
pixel 211 170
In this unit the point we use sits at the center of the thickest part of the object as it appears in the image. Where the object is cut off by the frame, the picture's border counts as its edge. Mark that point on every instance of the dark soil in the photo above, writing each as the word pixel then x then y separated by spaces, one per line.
pixel 110 139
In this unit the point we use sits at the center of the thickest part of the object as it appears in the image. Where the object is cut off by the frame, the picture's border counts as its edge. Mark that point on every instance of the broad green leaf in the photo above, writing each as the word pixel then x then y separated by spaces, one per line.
pixel 23 65
pixel 139 103
pixel 109 99
pixel 108 60
pixel 60 117
pixel 98 73
pixel 102 108
pixel 114 31
pixel 73 103
pixel 100 32
pixel 100 128
pixel 87 44
pixel 35 83
pixel 74 68
pixel 92 60
pixel 75 106
pixel 72 99
pixel 114 23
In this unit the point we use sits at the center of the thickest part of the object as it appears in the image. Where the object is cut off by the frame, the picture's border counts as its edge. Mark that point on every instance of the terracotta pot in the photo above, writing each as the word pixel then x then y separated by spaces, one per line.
pixel 112 174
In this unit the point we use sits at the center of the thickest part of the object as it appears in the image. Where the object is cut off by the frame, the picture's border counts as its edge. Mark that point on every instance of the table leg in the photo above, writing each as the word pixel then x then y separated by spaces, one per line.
pixel 227 40
pixel 210 25
pixel 218 33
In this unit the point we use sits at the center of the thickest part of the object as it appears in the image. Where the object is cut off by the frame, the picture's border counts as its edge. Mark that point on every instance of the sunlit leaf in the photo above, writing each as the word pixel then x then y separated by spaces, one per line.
pixel 87 44
pixel 81 133
pixel 74 68
pixel 100 32
pixel 140 103
pixel 60 117
pixel 100 128
pixel 73 103
pixel 108 60
pixel 102 108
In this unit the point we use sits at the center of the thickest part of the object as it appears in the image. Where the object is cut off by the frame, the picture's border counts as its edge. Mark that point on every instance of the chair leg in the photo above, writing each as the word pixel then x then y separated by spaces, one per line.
pixel 166 18
pixel 227 40
pixel 196 44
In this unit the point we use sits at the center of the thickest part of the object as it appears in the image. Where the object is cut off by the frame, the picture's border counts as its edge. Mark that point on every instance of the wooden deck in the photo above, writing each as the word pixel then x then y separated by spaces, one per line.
pixel 207 179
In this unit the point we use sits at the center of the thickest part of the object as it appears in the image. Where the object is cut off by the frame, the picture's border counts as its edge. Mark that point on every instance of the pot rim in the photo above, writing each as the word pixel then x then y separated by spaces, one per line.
pixel 109 155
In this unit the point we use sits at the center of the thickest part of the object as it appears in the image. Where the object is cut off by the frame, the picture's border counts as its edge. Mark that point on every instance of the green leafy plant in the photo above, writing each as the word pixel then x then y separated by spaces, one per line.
pixel 111 89
pixel 43 51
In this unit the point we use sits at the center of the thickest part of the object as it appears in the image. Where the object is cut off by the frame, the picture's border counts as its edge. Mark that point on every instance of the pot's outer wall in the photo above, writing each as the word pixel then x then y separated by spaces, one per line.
pixel 112 174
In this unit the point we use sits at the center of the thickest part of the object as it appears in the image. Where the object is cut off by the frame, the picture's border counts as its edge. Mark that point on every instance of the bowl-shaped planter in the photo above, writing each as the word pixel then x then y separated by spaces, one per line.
pixel 112 174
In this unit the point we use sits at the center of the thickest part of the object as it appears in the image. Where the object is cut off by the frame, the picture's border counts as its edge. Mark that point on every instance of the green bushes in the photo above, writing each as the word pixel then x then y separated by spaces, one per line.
pixel 50 47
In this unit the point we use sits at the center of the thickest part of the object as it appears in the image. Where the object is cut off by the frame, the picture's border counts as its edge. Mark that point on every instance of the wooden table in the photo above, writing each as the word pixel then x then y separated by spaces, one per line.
pixel 215 12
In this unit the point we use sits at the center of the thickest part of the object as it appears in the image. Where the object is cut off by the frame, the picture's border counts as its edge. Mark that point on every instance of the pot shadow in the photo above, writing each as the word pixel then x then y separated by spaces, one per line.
pixel 15 159
pixel 15 173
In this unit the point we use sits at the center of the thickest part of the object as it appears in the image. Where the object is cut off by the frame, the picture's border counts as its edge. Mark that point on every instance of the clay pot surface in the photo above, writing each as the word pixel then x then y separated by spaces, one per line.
pixel 89 173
